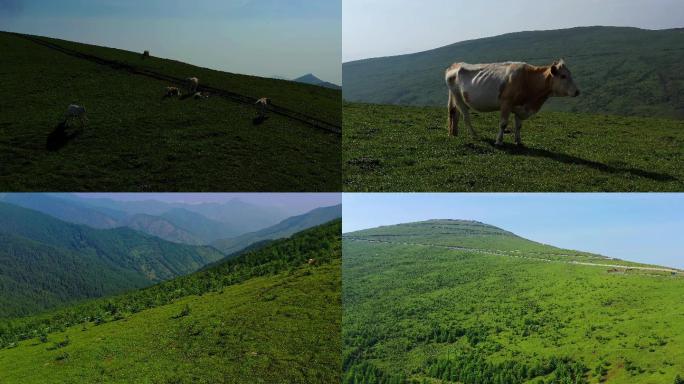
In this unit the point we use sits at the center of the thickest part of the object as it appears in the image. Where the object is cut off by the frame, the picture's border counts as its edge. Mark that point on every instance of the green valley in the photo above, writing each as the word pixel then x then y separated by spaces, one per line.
pixel 451 301
pixel 54 262
pixel 270 315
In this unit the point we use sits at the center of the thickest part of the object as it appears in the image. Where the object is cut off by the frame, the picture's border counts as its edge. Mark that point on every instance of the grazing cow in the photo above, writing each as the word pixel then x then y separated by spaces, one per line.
pixel 312 262
pixel 193 84
pixel 76 112
pixel 262 105
pixel 517 88
pixel 172 91
pixel 146 55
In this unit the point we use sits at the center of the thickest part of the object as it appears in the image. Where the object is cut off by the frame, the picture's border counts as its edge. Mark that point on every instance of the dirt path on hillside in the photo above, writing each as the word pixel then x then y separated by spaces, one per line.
pixel 517 254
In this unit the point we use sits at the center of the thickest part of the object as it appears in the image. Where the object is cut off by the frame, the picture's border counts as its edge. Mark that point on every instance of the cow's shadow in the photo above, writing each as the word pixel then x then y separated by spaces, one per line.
pixel 570 159
pixel 59 137
pixel 259 120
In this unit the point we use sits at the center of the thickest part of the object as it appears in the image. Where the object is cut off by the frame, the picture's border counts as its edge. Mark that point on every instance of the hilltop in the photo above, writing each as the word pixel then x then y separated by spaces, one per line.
pixel 264 316
pixel 139 140
pixel 445 301
pixel 623 71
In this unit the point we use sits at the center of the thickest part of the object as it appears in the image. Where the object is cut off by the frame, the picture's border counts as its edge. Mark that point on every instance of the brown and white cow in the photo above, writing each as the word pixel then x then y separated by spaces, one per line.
pixel 511 87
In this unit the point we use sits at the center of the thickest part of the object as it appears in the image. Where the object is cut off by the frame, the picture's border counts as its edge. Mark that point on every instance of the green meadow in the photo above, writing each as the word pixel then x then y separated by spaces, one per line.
pixel 400 148
pixel 421 314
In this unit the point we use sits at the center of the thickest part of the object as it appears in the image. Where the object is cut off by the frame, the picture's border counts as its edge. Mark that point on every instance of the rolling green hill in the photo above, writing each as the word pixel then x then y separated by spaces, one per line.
pixel 394 148
pixel 448 301
pixel 137 140
pixel 57 262
pixel 264 317
pixel 624 71
pixel 283 229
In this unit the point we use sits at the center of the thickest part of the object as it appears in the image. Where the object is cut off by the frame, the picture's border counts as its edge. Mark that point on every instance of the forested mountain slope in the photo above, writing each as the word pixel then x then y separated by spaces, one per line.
pixel 265 316
pixel 93 261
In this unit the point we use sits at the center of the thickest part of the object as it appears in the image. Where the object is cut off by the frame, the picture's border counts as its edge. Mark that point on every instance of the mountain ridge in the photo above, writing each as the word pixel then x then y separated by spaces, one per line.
pixel 282 229
pixel 613 66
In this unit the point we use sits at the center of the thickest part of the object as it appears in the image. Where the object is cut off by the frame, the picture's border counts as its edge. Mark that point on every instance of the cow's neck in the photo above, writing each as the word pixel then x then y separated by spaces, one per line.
pixel 540 88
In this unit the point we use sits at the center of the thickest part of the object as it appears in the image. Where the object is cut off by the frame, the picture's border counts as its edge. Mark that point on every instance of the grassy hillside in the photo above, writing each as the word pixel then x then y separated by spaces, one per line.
pixel 391 148
pixel 431 314
pixel 55 262
pixel 264 317
pixel 283 229
pixel 137 140
pixel 624 71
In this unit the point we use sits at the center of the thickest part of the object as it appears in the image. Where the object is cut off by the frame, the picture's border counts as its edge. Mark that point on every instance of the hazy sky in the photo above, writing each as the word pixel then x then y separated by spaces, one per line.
pixel 374 28
pixel 262 37
pixel 292 203
pixel 640 227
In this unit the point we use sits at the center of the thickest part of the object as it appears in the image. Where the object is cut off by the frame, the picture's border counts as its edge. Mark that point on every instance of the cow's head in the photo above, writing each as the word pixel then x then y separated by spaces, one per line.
pixel 562 83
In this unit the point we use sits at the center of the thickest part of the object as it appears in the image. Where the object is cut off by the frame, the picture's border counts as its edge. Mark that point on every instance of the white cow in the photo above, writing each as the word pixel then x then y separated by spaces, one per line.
pixel 193 84
pixel 262 105
pixel 76 112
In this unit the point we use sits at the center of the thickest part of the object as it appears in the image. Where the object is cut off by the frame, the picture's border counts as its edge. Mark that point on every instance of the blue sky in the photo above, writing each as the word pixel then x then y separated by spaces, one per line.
pixel 643 227
pixel 292 203
pixel 374 28
pixel 260 37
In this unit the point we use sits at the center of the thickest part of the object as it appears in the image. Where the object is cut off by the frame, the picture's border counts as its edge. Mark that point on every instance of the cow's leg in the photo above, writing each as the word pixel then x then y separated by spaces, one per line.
pixel 503 123
pixel 468 123
pixel 518 126
pixel 453 115
pixel 465 111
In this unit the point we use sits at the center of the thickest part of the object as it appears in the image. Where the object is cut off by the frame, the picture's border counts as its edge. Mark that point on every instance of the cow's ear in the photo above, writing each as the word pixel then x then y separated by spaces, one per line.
pixel 554 69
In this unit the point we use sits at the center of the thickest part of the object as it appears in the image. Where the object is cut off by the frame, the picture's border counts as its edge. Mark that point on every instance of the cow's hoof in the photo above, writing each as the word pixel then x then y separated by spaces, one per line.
pixel 499 143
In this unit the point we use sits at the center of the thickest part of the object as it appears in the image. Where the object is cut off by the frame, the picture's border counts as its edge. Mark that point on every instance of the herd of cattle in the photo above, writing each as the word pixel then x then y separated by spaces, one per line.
pixel 78 113
pixel 511 88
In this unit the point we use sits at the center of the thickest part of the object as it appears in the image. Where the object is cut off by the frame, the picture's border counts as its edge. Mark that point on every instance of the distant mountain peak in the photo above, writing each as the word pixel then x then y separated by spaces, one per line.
pixel 312 79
